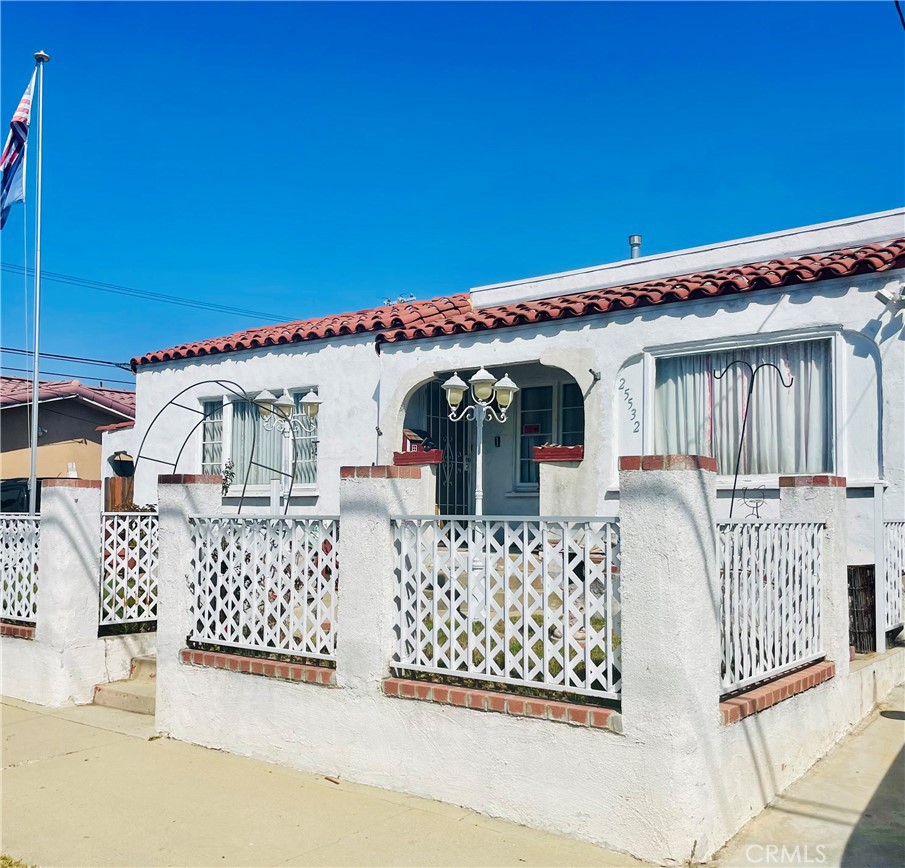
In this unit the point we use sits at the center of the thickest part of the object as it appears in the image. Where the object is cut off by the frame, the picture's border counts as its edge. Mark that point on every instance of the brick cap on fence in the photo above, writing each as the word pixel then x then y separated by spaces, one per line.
pixel 299 672
pixel 189 479
pixel 17 631
pixel 67 482
pixel 766 695
pixel 380 472
pixel 667 462
pixel 505 703
pixel 812 482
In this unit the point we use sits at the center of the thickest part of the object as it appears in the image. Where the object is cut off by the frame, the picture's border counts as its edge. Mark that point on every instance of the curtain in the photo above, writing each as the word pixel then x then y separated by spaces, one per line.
pixel 305 449
pixel 788 431
pixel 212 437
pixel 248 429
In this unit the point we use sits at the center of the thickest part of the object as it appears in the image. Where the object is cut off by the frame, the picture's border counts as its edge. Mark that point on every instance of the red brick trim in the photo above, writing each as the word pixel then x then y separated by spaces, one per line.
pixel 189 479
pixel 17 631
pixel 520 706
pixel 558 453
pixel 66 482
pixel 380 472
pixel 667 462
pixel 420 456
pixel 116 426
pixel 812 482
pixel 255 666
pixel 766 695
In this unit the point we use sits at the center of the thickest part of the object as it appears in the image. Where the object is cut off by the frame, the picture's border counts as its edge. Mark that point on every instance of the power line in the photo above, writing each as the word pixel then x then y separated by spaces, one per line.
pixel 69 374
pixel 901 16
pixel 19 352
pixel 69 280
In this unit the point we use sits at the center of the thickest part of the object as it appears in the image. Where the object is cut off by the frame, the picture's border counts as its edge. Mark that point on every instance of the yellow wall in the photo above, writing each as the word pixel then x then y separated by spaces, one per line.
pixel 53 460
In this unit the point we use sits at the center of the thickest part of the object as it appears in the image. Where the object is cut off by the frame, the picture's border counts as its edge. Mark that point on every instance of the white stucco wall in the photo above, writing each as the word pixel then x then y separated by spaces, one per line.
pixel 674 783
pixel 66 659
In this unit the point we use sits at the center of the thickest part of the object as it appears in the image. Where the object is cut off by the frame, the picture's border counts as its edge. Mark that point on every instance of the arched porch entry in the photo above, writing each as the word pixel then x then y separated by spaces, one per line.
pixel 547 410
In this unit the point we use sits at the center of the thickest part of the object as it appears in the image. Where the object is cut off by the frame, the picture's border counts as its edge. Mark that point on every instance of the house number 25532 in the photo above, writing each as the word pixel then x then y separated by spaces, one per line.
pixel 633 413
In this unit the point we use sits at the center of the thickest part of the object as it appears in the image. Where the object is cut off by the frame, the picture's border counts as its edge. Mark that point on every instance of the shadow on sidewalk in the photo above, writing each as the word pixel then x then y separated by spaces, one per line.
pixel 878 836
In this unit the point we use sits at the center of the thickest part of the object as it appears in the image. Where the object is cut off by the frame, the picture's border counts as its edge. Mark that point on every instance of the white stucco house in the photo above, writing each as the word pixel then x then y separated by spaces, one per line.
pixel 619 359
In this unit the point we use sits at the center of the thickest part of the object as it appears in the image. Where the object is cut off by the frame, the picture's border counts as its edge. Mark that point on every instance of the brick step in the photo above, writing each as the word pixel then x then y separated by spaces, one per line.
pixel 139 697
pixel 143 669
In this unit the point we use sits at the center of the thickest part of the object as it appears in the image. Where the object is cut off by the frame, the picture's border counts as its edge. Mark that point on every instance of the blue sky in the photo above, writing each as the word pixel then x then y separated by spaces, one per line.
pixel 303 159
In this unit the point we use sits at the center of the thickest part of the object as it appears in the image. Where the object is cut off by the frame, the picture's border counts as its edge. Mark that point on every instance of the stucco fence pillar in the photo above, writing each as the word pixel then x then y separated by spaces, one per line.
pixel 823 499
pixel 367 598
pixel 671 641
pixel 65 660
pixel 179 496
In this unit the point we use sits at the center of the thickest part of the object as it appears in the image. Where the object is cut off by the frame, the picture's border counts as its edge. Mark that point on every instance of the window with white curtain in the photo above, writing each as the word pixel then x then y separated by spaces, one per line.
pixel 788 430
pixel 268 454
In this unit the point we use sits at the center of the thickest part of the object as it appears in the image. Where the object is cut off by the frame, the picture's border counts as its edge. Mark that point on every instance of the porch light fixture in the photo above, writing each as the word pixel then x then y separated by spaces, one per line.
pixel 265 401
pixel 455 388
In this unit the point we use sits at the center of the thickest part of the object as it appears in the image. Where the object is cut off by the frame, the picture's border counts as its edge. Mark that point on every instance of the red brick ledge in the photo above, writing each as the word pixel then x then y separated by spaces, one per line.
pixel 190 479
pixel 519 706
pixel 558 453
pixel 298 672
pixel 380 472
pixel 418 457
pixel 766 695
pixel 68 482
pixel 17 631
pixel 667 462
pixel 812 482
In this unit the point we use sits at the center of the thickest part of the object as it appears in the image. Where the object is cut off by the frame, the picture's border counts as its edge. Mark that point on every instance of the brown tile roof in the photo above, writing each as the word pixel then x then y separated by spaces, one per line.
pixel 395 316
pixel 455 314
pixel 15 391
pixel 777 273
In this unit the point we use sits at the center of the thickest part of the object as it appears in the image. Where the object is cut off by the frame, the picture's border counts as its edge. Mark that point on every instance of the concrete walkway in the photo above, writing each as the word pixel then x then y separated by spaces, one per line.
pixel 848 810
pixel 90 786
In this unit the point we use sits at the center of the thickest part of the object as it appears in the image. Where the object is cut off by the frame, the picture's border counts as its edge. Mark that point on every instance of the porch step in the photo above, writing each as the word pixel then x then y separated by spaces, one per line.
pixel 143 669
pixel 138 696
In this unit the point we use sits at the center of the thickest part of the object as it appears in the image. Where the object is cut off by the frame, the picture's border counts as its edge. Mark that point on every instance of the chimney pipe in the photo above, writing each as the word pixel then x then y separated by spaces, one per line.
pixel 634 243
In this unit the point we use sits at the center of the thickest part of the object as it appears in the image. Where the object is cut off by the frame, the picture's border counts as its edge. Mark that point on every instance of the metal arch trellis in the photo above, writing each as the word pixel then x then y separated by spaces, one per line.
pixel 237 391
pixel 741 440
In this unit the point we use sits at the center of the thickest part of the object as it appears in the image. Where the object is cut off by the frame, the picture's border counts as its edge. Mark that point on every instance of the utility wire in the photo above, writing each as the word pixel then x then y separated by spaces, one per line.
pixel 69 374
pixel 182 301
pixel 19 352
pixel 901 16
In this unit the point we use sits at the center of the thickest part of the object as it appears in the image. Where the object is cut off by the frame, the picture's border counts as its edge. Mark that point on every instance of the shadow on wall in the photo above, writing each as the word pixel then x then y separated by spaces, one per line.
pixel 878 835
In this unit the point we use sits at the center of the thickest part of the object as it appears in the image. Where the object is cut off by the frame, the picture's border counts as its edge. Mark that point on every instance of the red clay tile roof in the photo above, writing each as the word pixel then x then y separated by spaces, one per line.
pixel 395 316
pixel 455 314
pixel 15 391
pixel 117 426
pixel 882 256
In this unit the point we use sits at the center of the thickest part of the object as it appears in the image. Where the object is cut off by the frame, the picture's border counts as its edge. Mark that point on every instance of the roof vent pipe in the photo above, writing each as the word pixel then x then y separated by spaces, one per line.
pixel 634 243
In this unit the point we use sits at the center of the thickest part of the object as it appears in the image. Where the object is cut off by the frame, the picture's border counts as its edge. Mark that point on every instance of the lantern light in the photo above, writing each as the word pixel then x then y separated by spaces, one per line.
pixel 455 388
pixel 265 401
pixel 505 390
pixel 284 406
pixel 482 384
pixel 311 403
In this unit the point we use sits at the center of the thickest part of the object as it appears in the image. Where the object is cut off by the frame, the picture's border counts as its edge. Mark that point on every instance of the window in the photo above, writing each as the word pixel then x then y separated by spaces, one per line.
pixel 305 448
pixel 212 437
pixel 788 430
pixel 265 455
pixel 547 414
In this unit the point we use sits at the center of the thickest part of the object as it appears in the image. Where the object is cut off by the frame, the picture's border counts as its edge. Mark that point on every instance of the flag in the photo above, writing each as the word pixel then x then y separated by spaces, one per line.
pixel 12 163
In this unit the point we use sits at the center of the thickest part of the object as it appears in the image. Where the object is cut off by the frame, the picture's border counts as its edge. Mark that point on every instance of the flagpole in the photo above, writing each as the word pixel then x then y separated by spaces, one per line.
pixel 41 58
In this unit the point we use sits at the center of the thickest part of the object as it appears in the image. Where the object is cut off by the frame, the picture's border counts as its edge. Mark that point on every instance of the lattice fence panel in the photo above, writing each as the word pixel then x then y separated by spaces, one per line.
pixel 19 539
pixel 894 545
pixel 528 602
pixel 266 584
pixel 128 568
pixel 771 586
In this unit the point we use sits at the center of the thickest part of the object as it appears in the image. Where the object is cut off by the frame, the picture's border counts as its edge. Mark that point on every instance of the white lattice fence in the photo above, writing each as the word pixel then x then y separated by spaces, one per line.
pixel 528 602
pixel 128 568
pixel 19 537
pixel 266 584
pixel 771 575
pixel 894 549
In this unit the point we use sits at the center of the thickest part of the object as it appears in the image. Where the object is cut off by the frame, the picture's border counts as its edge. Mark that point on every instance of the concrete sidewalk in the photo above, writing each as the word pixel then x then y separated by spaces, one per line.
pixel 85 787
pixel 89 786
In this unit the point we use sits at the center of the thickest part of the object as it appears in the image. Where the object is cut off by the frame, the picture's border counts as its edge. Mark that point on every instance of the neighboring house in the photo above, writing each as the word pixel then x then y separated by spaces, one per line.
pixel 618 359
pixel 69 414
